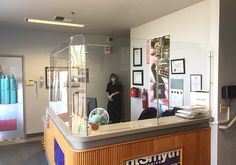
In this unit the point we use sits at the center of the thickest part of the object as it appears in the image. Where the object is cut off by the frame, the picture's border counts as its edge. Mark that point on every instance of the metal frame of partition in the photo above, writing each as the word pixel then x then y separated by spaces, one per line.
pixel 70 55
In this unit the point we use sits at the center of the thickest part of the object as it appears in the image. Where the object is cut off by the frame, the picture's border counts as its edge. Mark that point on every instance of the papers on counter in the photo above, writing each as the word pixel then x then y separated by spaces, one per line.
pixel 192 112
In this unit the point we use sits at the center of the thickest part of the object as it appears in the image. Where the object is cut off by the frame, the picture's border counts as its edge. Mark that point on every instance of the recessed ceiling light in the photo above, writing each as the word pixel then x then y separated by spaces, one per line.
pixel 53 22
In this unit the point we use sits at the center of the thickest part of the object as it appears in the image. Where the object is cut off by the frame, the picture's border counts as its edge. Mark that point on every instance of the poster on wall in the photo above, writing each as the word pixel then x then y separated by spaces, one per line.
pixel 148 52
pixel 159 69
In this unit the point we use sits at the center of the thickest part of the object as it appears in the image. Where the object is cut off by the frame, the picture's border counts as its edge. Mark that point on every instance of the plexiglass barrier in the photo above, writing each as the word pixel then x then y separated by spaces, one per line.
pixel 80 71
pixel 67 84
pixel 78 75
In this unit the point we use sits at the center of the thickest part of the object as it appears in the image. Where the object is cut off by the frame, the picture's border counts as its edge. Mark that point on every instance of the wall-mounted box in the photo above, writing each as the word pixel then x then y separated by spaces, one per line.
pixel 29 82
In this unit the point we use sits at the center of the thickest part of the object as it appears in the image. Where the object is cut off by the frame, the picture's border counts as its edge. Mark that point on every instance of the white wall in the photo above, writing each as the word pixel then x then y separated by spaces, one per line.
pixel 214 46
pixel 189 39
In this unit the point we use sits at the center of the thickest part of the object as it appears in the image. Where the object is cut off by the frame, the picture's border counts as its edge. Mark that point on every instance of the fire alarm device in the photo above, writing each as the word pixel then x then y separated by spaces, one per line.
pixel 134 92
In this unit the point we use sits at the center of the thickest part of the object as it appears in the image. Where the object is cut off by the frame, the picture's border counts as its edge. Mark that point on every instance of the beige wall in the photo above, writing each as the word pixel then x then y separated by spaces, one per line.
pixel 36 46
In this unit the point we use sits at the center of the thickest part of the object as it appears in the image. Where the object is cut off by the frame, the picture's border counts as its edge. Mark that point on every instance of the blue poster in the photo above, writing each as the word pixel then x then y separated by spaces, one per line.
pixel 58 154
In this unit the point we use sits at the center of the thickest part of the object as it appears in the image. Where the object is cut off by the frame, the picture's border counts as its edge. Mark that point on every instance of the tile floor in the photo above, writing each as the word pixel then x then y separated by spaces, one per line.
pixel 26 153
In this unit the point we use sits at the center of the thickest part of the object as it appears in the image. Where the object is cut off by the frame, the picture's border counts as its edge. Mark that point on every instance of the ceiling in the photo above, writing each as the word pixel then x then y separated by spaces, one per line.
pixel 111 17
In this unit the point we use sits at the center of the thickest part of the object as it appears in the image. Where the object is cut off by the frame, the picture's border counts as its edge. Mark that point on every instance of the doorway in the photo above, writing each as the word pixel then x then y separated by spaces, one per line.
pixel 11 98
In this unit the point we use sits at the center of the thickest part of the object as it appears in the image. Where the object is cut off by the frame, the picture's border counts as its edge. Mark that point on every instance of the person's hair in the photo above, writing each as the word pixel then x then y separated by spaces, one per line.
pixel 114 75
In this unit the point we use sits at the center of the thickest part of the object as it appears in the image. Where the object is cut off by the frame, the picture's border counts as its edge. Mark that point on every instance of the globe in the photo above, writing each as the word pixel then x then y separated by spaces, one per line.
pixel 99 116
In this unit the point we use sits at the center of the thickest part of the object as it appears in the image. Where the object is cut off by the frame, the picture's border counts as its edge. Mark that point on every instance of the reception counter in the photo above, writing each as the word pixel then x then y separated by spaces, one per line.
pixel 164 141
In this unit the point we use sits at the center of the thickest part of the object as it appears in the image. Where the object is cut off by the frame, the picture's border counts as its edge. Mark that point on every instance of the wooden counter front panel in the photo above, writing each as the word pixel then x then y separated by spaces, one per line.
pixel 49 135
pixel 195 148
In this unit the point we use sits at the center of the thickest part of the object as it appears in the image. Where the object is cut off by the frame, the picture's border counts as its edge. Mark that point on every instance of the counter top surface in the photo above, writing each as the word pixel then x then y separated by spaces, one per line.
pixel 132 128
pixel 147 124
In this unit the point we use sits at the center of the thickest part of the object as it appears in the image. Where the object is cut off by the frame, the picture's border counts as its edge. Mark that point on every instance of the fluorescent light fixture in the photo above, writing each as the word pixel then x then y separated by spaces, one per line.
pixel 53 22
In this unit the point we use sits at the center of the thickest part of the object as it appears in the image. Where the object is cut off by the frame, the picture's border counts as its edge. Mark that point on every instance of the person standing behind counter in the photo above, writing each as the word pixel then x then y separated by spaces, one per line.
pixel 114 99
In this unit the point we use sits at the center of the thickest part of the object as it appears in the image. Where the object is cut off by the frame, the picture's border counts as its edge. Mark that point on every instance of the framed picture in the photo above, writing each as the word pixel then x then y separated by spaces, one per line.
pixel 178 66
pixel 48 75
pixel 137 77
pixel 195 82
pixel 137 57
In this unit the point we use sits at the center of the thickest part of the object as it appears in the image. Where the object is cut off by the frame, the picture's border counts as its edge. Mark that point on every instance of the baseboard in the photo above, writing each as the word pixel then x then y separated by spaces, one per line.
pixel 28 138
pixel 39 134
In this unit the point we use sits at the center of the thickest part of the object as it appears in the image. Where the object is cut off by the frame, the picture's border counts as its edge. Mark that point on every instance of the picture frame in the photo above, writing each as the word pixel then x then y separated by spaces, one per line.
pixel 178 66
pixel 137 57
pixel 195 82
pixel 48 71
pixel 138 77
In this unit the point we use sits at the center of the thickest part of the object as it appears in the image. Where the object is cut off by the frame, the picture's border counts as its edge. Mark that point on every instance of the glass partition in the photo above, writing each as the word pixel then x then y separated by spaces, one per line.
pixel 159 77
pixel 67 84
pixel 176 74
pixel 79 72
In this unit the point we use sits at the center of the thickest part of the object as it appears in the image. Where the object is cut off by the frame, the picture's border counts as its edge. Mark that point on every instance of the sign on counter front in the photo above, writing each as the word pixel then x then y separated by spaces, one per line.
pixel 165 158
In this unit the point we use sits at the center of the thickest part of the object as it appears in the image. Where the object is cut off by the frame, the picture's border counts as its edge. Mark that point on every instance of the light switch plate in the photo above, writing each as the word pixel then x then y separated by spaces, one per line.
pixel 29 82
